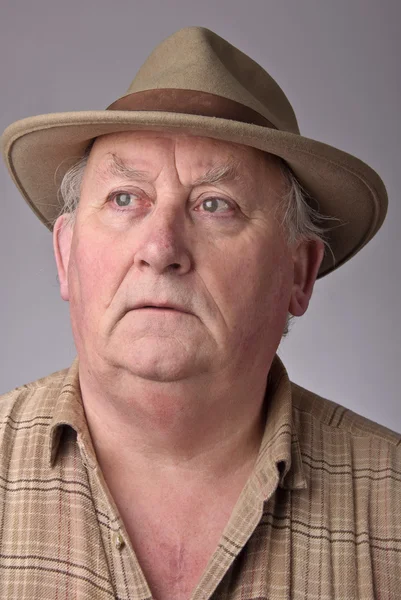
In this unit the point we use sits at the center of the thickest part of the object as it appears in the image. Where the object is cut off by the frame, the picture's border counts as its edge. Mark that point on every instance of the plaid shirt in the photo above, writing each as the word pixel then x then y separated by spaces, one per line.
pixel 319 518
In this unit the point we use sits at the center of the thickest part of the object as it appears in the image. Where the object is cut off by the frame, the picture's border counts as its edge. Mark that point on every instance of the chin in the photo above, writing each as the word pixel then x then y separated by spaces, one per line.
pixel 164 361
pixel 159 371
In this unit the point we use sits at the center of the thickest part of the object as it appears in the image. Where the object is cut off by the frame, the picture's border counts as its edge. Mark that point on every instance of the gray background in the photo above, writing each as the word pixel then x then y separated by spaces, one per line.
pixel 338 62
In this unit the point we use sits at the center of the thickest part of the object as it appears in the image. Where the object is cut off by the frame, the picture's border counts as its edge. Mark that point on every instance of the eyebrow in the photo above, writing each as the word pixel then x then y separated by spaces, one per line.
pixel 118 167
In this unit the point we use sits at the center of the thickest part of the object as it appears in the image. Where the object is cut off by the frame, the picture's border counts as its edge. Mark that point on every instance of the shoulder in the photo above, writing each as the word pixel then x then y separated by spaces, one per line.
pixel 26 415
pixel 334 438
pixel 31 400
pixel 350 506
pixel 332 416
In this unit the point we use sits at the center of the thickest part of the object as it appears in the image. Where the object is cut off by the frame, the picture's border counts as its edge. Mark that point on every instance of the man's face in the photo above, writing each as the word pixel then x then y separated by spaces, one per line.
pixel 176 264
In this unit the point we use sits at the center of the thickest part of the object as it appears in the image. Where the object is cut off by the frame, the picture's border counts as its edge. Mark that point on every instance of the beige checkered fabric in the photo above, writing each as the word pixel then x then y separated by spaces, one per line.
pixel 319 518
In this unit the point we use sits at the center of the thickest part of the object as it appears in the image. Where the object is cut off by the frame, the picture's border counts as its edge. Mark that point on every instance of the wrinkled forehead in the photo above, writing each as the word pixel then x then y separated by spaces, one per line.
pixel 148 148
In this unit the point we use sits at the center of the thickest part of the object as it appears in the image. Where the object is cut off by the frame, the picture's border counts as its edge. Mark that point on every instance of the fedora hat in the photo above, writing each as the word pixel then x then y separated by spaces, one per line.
pixel 197 82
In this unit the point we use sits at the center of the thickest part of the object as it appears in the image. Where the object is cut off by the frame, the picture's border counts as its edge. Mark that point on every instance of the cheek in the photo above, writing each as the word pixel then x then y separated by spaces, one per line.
pixel 95 272
pixel 253 285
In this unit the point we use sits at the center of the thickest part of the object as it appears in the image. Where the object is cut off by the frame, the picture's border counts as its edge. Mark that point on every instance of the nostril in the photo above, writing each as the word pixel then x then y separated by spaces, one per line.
pixel 175 266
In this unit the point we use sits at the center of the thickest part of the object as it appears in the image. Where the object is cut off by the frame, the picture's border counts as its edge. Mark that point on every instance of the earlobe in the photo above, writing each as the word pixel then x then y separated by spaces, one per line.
pixel 307 261
pixel 62 237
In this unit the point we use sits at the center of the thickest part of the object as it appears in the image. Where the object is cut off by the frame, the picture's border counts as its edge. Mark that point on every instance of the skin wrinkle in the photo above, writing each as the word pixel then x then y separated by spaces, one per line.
pixel 119 167
pixel 116 166
pixel 224 277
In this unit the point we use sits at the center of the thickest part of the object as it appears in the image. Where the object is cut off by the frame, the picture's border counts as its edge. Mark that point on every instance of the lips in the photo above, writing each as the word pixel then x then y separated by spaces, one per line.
pixel 163 306
pixel 160 308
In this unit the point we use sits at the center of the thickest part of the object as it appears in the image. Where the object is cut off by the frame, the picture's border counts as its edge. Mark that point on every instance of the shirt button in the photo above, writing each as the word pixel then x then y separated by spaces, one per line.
pixel 118 540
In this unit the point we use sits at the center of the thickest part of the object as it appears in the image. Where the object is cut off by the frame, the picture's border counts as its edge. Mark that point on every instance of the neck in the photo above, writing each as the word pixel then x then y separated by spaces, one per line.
pixel 206 429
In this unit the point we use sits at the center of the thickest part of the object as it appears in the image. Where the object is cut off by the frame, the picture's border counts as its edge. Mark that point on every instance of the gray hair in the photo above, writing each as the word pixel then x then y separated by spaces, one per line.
pixel 295 214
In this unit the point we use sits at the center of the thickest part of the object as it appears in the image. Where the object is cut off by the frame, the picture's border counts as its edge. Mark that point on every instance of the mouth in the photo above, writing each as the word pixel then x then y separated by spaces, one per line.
pixel 158 308
pixel 162 307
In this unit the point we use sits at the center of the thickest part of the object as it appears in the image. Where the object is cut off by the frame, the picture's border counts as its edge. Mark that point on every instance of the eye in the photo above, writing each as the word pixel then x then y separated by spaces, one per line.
pixel 123 199
pixel 215 205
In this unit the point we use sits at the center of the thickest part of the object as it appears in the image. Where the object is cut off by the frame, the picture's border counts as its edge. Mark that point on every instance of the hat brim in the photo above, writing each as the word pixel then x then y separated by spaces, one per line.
pixel 39 150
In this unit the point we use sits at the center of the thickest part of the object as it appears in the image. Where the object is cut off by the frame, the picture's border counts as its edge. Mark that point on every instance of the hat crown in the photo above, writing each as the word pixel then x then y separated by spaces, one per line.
pixel 196 58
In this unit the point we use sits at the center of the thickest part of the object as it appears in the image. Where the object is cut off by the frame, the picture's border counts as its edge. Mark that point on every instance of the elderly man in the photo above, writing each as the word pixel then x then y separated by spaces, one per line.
pixel 175 459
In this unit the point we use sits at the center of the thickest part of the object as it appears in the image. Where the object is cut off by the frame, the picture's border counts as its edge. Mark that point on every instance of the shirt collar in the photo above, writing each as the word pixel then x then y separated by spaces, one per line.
pixel 69 410
pixel 279 457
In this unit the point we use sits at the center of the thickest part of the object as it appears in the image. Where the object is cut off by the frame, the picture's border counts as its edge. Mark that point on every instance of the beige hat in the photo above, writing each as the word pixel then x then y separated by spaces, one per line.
pixel 196 81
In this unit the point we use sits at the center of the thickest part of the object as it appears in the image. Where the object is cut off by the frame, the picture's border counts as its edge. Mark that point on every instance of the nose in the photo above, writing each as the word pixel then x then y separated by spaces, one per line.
pixel 162 247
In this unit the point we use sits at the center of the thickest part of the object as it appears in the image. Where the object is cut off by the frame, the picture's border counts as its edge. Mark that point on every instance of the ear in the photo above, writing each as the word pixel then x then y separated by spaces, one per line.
pixel 62 238
pixel 307 260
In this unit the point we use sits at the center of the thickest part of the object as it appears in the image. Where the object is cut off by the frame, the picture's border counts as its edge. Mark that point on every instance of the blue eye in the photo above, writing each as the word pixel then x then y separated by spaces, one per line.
pixel 123 199
pixel 214 205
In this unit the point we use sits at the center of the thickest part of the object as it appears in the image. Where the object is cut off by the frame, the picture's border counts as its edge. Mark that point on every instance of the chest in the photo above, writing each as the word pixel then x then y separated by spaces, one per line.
pixel 173 553
pixel 175 530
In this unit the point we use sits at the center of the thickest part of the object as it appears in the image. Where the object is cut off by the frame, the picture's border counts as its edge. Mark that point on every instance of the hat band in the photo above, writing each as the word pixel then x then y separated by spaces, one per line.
pixel 190 102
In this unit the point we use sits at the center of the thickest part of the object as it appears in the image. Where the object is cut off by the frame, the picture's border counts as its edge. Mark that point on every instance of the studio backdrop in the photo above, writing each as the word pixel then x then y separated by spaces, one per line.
pixel 338 63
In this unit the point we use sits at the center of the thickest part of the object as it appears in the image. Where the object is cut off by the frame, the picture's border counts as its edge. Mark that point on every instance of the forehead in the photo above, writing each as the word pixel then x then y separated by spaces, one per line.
pixel 153 148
